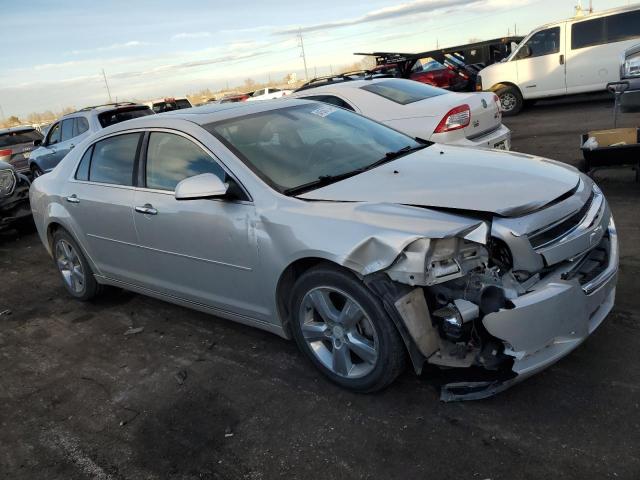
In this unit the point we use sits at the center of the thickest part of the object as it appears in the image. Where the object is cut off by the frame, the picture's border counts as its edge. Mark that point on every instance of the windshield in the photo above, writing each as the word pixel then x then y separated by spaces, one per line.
pixel 21 136
pixel 403 91
pixel 295 146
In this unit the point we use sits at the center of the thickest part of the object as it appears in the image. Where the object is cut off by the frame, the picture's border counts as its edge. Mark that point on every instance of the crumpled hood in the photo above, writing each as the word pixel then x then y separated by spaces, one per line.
pixel 443 176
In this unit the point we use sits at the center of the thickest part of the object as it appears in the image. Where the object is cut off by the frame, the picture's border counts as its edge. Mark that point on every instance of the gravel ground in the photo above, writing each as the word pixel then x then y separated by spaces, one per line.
pixel 192 396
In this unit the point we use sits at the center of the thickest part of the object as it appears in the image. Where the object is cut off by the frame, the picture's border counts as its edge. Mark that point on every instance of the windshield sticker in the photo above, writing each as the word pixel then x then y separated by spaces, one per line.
pixel 324 111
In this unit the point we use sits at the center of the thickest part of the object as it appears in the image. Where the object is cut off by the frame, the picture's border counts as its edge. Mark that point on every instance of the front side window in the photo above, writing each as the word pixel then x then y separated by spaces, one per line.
pixel 54 135
pixel 290 148
pixel 113 159
pixel 403 91
pixel 544 42
pixel 172 158
pixel 67 129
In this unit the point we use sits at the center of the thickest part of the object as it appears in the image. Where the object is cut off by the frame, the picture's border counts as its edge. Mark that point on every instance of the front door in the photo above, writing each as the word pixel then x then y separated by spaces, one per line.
pixel 542 72
pixel 200 250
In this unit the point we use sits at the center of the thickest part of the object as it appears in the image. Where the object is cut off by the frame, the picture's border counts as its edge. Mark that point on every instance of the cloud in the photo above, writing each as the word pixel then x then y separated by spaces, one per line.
pixel 190 35
pixel 115 46
pixel 402 10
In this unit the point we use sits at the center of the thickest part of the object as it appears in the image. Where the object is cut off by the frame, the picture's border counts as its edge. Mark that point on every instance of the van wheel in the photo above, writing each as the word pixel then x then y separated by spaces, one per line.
pixel 345 331
pixel 511 101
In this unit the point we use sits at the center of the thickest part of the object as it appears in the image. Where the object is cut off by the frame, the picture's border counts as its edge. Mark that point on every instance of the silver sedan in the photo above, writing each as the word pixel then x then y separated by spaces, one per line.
pixel 370 248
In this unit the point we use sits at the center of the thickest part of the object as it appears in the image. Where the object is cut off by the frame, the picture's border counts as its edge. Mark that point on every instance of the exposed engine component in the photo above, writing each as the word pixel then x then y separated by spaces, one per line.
pixel 453 317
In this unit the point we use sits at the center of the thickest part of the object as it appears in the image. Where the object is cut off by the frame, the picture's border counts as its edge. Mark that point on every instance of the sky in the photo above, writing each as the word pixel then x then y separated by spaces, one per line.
pixel 54 51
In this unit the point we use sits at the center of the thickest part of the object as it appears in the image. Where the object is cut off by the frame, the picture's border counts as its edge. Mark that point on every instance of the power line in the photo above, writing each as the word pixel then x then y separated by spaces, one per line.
pixel 304 57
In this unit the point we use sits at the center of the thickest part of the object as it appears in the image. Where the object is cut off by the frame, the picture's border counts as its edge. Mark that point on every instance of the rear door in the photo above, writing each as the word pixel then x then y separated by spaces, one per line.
pixel 542 73
pixel 100 200
pixel 201 250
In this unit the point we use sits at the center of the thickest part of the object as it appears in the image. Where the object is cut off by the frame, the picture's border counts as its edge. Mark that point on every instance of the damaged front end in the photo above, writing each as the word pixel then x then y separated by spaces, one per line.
pixel 508 297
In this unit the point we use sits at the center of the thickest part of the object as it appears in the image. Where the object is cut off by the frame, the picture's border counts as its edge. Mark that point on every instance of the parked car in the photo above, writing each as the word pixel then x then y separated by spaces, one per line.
pixel 234 98
pixel 14 199
pixel 419 110
pixel 73 128
pixel 268 94
pixel 432 73
pixel 572 56
pixel 362 243
pixel 16 144
pixel 168 104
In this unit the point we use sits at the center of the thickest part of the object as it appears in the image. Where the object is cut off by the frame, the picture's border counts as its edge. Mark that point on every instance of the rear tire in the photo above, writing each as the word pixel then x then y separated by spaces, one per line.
pixel 345 331
pixel 77 276
pixel 511 101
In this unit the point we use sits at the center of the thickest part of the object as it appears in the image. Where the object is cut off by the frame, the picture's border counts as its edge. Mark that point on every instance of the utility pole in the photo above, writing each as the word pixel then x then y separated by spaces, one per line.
pixel 590 6
pixel 104 75
pixel 304 57
pixel 1 113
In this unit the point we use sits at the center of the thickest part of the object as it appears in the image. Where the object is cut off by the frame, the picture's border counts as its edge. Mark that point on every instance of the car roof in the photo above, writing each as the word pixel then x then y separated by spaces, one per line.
pixel 20 128
pixel 209 113
pixel 590 16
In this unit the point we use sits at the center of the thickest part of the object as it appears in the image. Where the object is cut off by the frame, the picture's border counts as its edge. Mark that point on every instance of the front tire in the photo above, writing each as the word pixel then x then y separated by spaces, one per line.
pixel 77 276
pixel 344 330
pixel 511 101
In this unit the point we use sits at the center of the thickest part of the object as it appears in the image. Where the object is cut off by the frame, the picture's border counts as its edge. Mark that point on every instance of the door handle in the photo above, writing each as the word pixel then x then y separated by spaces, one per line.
pixel 147 209
pixel 71 146
pixel 561 59
pixel 73 199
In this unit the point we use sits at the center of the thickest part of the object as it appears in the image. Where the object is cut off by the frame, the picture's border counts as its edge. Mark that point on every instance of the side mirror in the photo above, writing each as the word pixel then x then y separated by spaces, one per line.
pixel 206 185
pixel 37 142
pixel 525 52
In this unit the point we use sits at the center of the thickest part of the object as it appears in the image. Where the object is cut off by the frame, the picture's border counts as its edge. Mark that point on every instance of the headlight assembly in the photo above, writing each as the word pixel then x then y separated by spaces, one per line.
pixel 7 182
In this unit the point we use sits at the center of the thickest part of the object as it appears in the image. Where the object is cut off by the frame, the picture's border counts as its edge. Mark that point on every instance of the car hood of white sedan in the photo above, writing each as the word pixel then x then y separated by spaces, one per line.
pixel 504 183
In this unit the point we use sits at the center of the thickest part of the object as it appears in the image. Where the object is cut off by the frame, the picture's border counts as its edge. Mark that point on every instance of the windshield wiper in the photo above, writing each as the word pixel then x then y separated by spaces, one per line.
pixel 325 180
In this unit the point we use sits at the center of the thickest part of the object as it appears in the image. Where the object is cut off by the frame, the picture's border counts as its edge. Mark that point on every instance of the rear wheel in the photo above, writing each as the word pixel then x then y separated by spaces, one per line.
pixel 345 331
pixel 511 101
pixel 73 267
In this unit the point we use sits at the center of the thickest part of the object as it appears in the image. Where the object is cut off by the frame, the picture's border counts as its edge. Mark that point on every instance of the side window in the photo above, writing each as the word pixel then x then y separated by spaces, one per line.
pixel 54 135
pixel 81 126
pixel 83 169
pixel 623 26
pixel 67 128
pixel 172 158
pixel 587 33
pixel 544 42
pixel 258 93
pixel 338 102
pixel 113 159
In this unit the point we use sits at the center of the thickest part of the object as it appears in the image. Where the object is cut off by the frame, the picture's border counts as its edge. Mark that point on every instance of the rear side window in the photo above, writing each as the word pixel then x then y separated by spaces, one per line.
pixel 112 117
pixel 172 158
pixel 403 91
pixel 83 169
pixel 81 126
pixel 67 129
pixel 15 138
pixel 113 159
pixel 333 100
pixel 623 26
pixel 585 34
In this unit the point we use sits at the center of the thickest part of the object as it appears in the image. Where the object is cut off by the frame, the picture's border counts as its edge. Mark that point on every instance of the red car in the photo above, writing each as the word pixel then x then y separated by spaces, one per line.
pixel 431 73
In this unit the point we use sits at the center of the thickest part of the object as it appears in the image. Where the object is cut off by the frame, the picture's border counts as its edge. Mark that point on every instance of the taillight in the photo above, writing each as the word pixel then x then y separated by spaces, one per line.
pixel 496 99
pixel 455 119
pixel 5 153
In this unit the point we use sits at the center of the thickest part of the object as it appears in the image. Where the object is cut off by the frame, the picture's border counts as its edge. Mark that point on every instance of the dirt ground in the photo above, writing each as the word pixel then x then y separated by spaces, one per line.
pixel 193 396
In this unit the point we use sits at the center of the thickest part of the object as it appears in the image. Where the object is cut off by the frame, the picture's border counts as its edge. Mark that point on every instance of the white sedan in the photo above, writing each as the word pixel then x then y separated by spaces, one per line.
pixel 268 94
pixel 417 109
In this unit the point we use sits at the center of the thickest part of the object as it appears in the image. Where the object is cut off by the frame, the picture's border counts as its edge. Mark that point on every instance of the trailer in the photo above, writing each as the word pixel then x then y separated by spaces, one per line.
pixel 462 61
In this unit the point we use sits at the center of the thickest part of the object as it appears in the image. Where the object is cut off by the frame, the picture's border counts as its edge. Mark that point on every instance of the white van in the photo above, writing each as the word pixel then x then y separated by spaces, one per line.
pixel 578 55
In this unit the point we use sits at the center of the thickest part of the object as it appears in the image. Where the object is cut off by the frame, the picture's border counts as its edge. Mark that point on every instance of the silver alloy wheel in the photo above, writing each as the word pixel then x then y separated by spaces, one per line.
pixel 338 331
pixel 70 266
pixel 508 102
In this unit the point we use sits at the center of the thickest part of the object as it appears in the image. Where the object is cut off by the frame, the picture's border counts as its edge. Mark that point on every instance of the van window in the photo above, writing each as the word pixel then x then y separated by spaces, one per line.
pixel 544 42
pixel 585 34
pixel 623 26
pixel 614 28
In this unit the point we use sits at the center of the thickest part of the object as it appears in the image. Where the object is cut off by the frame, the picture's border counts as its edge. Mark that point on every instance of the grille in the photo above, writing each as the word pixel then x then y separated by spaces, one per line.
pixel 547 235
